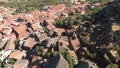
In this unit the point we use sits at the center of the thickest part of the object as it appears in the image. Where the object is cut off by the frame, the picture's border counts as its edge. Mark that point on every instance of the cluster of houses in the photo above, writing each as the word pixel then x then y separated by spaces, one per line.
pixel 22 32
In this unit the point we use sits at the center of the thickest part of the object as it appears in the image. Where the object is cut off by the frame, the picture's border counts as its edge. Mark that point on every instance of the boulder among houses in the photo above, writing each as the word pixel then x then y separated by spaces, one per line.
pixel 86 64
pixel 57 62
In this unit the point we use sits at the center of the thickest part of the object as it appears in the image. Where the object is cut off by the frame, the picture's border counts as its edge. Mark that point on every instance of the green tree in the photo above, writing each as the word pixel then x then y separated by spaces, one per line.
pixel 80 21
pixel 16 41
pixel 1 64
pixel 12 61
pixel 48 55
pixel 67 56
pixel 55 53
pixel 39 49
pixel 112 66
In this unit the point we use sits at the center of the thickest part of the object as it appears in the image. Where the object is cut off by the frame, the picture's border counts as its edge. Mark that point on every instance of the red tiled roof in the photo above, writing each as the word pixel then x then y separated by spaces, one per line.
pixel 23 34
pixel 35 58
pixel 59 7
pixel 43 13
pixel 50 21
pixel 21 28
pixel 50 26
pixel 64 40
pixel 22 15
pixel 7 31
pixel 1 26
pixel 31 19
pixel 30 42
pixel 75 44
pixel 12 17
pixel 35 13
pixel 73 54
pixel 37 20
pixel 59 31
pixel 43 36
pixel 17 54
pixel 1 22
pixel 35 66
pixel 35 27
pixel 15 23
pixel 11 44
pixel 23 63
pixel 6 21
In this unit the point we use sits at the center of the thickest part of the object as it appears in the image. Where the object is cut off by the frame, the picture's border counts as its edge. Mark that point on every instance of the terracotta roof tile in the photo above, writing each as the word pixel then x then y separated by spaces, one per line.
pixel 6 21
pixel 20 28
pixel 35 66
pixel 17 54
pixel 15 23
pixel 22 15
pixel 35 58
pixel 30 42
pixel 23 34
pixel 37 27
pixel 11 44
pixel 35 13
pixel 75 44
pixel 59 7
pixel 37 20
pixel 50 21
pixel 59 31
pixel 7 31
pixel 43 36
pixel 73 54
pixel 1 22
pixel 10 17
pixel 2 26
pixel 23 63
pixel 43 13
pixel 50 26
pixel 64 40
pixel 31 19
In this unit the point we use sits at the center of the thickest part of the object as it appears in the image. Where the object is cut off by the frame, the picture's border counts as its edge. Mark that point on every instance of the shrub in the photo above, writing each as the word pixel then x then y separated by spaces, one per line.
pixel 55 53
pixel 112 66
pixel 48 55
pixel 12 61
pixel 67 56
pixel 39 49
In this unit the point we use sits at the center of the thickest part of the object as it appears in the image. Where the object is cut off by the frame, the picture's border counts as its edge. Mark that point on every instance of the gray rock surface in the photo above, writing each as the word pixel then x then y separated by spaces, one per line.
pixel 57 62
pixel 86 64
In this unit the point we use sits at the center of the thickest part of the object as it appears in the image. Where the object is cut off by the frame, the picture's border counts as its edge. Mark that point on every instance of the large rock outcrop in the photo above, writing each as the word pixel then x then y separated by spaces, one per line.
pixel 57 62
